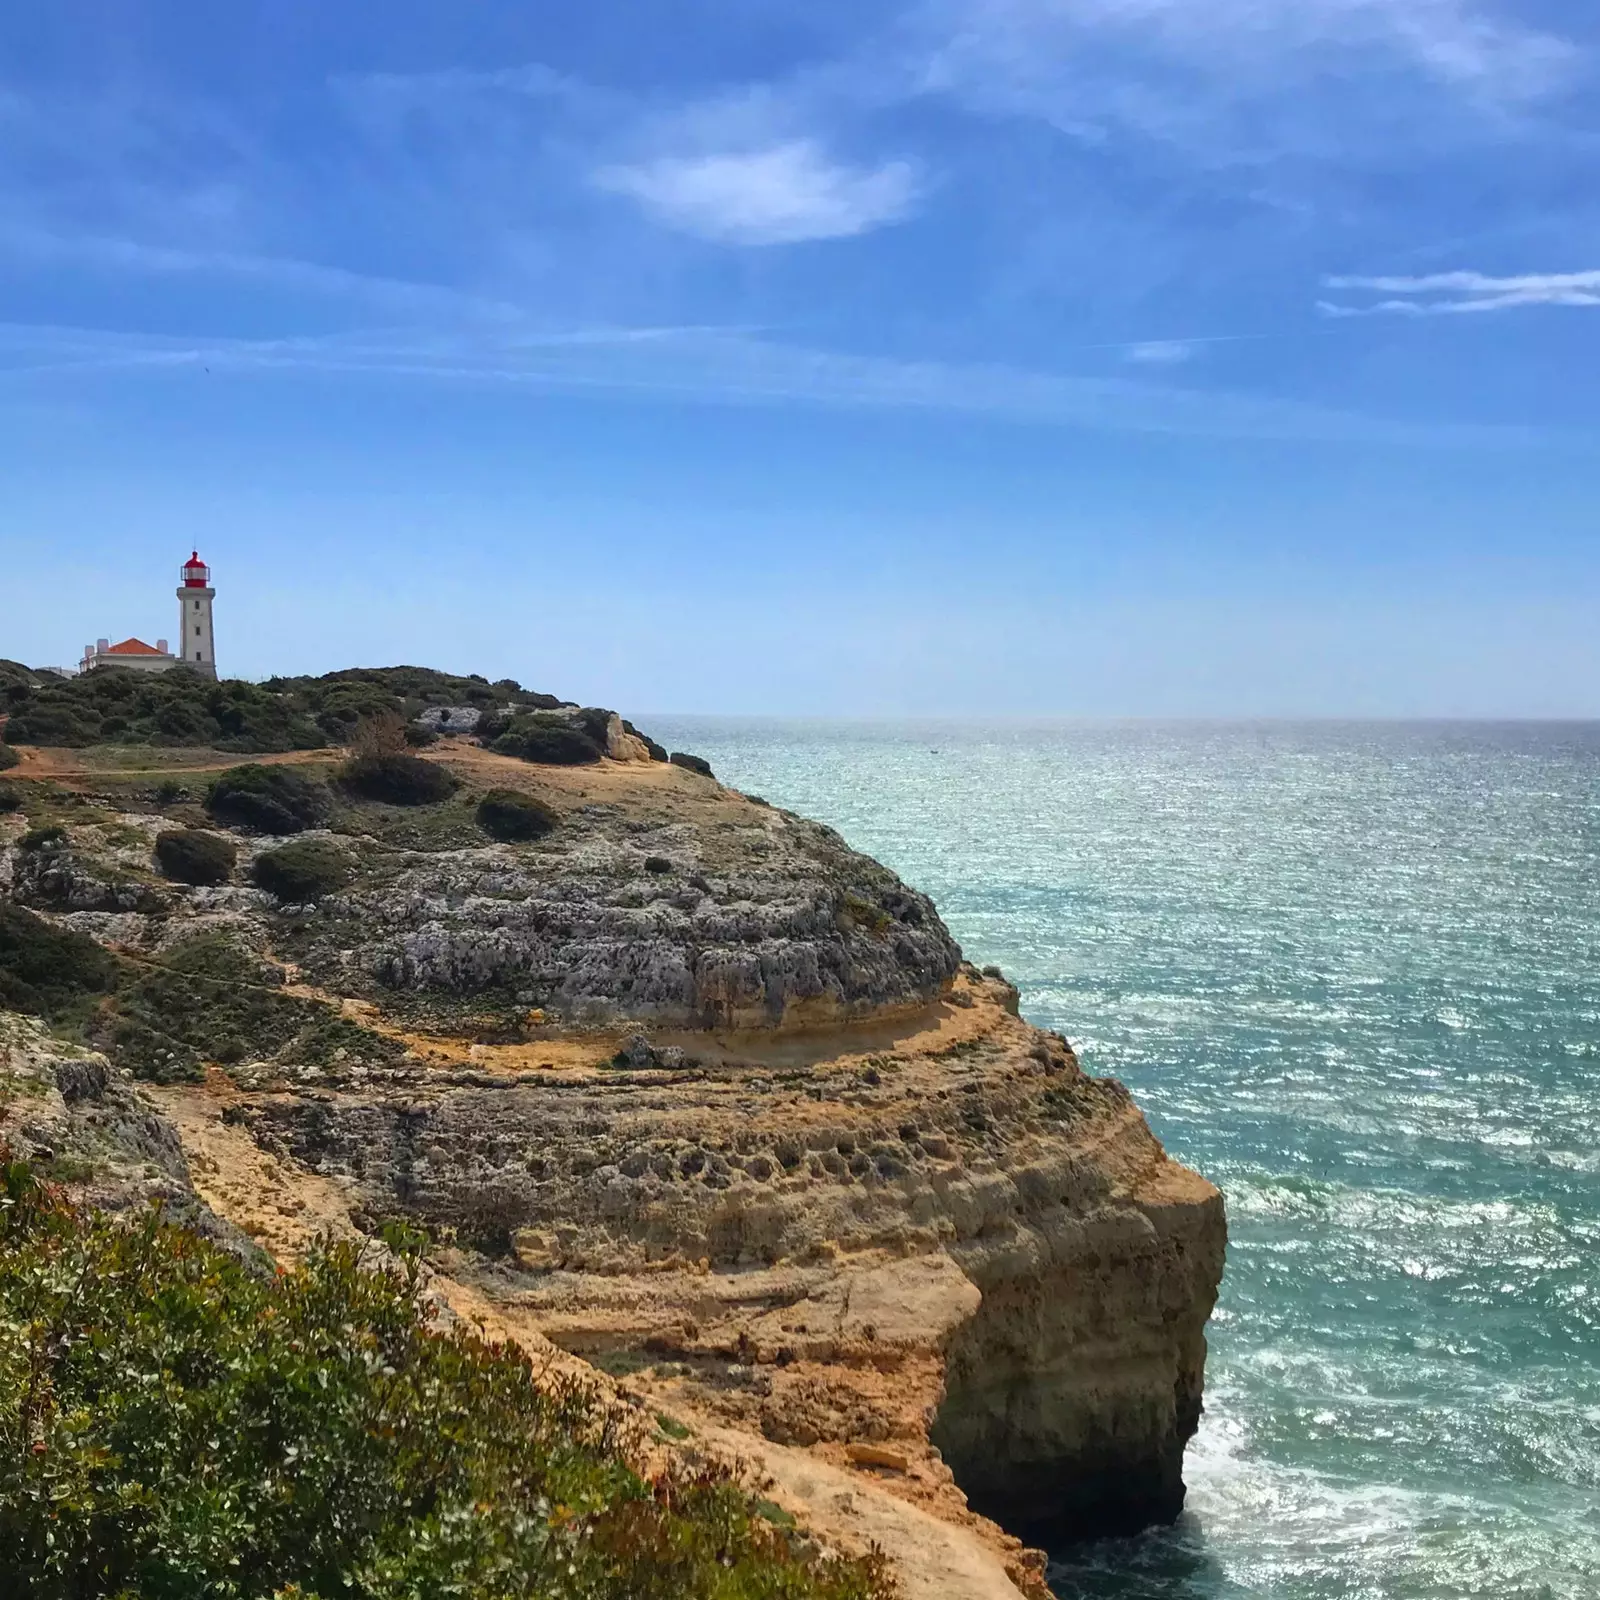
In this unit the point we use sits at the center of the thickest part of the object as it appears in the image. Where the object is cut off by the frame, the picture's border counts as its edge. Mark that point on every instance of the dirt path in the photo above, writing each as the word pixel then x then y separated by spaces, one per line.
pixel 57 764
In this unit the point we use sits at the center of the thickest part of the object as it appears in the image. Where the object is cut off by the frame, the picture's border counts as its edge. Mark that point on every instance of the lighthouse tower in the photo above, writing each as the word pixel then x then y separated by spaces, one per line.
pixel 196 648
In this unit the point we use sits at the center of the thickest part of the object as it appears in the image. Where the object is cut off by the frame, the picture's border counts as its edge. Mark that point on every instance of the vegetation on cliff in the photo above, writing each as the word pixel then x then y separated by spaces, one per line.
pixel 397 780
pixel 513 817
pixel 195 856
pixel 545 737
pixel 269 799
pixel 48 971
pixel 173 1424
pixel 303 871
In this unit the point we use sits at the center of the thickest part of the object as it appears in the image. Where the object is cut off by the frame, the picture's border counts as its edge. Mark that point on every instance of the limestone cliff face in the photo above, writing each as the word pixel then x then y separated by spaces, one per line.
pixel 839 1202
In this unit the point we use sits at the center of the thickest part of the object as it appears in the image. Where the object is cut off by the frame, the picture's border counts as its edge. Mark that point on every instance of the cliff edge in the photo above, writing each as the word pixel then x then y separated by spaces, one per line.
pixel 683 1088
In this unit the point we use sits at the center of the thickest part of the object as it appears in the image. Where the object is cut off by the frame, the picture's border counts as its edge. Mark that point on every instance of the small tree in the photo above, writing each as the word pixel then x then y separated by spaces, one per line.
pixel 379 733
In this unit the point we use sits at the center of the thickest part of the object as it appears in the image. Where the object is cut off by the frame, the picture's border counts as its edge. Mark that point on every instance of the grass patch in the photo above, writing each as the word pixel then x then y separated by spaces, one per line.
pixel 672 1427
pixel 771 1511
pixel 48 971
pixel 309 1435
pixel 209 1000
pixel 620 1363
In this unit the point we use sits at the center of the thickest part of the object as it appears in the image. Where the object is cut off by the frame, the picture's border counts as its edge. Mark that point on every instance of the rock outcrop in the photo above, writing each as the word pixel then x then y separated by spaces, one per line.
pixel 702 1096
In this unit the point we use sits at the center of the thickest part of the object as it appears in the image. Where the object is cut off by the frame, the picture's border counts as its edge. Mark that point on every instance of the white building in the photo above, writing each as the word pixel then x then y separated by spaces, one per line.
pixel 195 647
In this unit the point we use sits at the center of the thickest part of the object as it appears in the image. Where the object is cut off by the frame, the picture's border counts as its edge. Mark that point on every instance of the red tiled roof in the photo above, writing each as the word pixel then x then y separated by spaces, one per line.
pixel 134 647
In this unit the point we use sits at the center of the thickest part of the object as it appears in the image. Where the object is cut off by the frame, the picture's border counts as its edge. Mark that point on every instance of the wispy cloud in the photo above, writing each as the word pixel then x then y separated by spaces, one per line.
pixel 1452 293
pixel 783 194
pixel 1160 352
pixel 1243 80
pixel 723 367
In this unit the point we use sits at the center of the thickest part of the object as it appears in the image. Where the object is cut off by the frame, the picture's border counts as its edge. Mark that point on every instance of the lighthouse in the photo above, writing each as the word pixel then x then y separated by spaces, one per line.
pixel 196 647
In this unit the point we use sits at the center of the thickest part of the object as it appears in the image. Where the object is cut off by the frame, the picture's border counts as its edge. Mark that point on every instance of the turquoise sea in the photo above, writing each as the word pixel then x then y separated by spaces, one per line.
pixel 1352 972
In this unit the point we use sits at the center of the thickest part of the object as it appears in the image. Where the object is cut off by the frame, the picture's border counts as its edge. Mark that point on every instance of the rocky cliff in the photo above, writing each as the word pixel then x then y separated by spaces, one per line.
pixel 688 1089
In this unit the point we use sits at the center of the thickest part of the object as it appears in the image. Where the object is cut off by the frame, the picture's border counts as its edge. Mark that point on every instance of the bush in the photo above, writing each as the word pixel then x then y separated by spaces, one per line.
pixel 546 738
pixel 398 780
pixel 8 757
pixel 511 817
pixel 681 758
pixel 270 799
pixel 10 798
pixel 46 838
pixel 303 871
pixel 44 970
pixel 191 855
pixel 173 1424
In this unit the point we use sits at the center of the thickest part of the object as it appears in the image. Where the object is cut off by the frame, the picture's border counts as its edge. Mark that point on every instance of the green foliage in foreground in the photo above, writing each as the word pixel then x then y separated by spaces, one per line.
pixel 173 1427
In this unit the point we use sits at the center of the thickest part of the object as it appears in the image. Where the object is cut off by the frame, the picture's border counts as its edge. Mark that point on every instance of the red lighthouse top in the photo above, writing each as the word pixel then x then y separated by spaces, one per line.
pixel 196 574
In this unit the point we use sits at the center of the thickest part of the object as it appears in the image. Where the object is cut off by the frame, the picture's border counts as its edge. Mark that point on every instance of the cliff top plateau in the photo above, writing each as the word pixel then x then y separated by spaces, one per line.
pixel 685 1095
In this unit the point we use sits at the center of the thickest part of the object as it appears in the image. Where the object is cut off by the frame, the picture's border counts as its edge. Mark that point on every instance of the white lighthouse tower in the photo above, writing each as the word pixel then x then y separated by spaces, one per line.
pixel 196 647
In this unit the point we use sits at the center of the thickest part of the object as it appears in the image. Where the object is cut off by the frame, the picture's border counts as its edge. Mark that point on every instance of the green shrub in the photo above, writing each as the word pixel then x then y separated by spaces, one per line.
pixel 681 758
pixel 397 780
pixel 8 757
pixel 175 1425
pixel 45 970
pixel 269 799
pixel 42 838
pixel 302 871
pixel 544 737
pixel 191 855
pixel 10 798
pixel 511 817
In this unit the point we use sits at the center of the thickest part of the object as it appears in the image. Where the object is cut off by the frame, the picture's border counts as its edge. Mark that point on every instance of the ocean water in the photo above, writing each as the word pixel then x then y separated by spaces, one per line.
pixel 1352 973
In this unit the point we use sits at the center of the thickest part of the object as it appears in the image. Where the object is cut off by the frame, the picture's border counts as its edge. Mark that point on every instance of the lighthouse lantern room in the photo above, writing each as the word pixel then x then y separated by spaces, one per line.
pixel 196 647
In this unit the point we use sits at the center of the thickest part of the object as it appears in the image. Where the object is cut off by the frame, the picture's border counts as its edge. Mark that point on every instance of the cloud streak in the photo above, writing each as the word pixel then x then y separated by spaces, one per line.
pixel 723 367
pixel 784 194
pixel 1456 293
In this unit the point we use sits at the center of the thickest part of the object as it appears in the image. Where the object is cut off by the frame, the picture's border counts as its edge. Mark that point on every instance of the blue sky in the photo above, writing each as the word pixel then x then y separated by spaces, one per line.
pixel 1150 357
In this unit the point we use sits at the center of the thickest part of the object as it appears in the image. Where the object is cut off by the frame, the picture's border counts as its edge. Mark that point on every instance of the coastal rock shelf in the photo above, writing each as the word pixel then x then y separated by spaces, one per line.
pixel 687 1090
